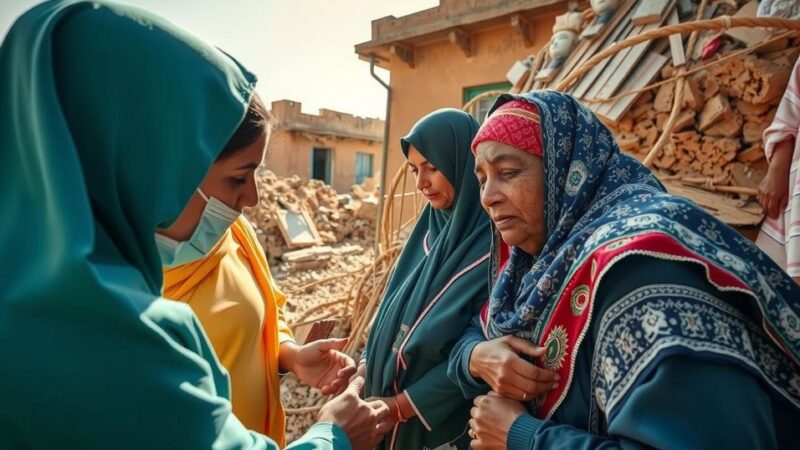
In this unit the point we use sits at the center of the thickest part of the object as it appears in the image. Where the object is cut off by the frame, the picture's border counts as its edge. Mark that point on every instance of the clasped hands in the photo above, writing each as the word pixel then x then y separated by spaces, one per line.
pixel 498 362
pixel 513 381
pixel 322 365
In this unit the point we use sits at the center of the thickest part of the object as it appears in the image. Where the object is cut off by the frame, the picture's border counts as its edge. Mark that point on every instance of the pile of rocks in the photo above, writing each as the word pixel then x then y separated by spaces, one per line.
pixel 725 111
pixel 346 226
pixel 336 217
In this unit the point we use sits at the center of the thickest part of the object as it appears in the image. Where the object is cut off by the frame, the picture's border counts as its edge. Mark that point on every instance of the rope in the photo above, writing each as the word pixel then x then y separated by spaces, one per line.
pixel 726 22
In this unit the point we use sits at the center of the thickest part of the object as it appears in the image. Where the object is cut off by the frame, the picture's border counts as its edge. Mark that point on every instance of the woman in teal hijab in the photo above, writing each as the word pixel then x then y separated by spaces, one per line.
pixel 109 119
pixel 439 281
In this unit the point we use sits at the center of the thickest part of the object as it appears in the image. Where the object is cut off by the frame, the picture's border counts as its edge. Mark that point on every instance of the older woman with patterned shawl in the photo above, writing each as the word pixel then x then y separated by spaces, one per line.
pixel 663 327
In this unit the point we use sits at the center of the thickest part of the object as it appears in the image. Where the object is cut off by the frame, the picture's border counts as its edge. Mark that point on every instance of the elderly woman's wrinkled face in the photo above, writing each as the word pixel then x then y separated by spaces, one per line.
pixel 431 181
pixel 512 193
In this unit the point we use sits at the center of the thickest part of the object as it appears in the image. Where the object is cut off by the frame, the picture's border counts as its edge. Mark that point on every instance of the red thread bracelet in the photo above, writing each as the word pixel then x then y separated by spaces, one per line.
pixel 399 413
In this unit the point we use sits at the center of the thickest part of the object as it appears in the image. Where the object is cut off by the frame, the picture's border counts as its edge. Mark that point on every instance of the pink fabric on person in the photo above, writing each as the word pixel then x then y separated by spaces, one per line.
pixel 780 238
pixel 515 123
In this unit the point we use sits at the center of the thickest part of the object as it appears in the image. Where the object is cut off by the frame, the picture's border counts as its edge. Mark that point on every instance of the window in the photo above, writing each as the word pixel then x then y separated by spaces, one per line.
pixel 363 166
pixel 321 164
pixel 482 108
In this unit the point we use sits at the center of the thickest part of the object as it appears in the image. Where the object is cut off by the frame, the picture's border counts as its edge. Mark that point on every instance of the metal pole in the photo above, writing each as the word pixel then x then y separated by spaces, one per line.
pixel 384 154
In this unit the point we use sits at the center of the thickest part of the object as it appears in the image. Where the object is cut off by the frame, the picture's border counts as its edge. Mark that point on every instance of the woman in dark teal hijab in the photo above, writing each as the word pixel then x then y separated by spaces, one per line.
pixel 109 119
pixel 439 281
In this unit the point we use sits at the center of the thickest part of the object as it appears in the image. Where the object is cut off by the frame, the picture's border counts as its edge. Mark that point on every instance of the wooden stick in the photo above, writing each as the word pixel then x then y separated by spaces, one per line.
pixel 720 23
pixel 300 289
pixel 715 62
pixel 730 189
pixel 316 319
pixel 316 308
pixel 680 86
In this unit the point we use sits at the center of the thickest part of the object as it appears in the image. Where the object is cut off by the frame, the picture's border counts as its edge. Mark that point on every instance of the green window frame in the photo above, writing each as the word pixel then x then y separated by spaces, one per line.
pixel 482 108
pixel 364 166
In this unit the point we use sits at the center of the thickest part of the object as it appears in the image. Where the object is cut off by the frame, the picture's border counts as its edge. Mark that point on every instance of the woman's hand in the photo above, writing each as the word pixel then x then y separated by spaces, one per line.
pixel 319 364
pixel 492 417
pixel 365 423
pixel 400 408
pixel 498 363
pixel 360 372
pixel 773 191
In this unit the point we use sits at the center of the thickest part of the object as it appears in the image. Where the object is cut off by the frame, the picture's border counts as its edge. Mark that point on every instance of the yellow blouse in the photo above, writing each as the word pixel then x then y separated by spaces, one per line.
pixel 232 292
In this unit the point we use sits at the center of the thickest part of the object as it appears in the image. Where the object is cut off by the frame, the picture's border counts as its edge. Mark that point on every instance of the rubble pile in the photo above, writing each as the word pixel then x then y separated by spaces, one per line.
pixel 314 278
pixel 734 81
pixel 725 110
pixel 336 217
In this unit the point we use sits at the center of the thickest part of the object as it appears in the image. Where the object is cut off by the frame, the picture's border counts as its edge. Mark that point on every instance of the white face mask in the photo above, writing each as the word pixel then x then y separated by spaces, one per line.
pixel 217 217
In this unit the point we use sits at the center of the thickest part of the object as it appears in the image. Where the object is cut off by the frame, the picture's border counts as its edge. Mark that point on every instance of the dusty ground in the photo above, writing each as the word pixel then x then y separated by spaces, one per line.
pixel 293 393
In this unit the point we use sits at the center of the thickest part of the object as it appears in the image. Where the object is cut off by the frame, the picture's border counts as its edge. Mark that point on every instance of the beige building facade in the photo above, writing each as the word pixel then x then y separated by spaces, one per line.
pixel 336 147
pixel 445 56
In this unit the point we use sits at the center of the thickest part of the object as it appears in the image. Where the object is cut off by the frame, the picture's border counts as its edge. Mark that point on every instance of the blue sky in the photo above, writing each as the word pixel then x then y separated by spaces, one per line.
pixel 301 49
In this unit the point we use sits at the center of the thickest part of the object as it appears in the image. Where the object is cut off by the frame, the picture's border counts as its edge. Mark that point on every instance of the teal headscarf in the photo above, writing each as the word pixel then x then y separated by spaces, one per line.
pixel 109 119
pixel 439 282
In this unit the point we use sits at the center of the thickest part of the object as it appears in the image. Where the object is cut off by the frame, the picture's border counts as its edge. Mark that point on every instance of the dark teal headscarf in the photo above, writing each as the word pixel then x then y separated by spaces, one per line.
pixel 439 282
pixel 109 119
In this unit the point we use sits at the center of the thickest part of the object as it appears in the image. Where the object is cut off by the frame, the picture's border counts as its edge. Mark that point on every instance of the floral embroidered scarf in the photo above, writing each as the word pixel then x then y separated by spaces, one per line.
pixel 601 205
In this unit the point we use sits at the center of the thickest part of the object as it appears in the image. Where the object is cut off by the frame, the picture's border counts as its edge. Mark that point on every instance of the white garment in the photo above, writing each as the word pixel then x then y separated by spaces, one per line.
pixel 780 238
pixel 787 9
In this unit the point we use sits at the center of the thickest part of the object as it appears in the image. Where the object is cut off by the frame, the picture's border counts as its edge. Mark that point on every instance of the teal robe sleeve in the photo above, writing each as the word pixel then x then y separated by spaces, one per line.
pixel 434 397
pixel 687 403
pixel 200 407
pixel 458 366
pixel 322 436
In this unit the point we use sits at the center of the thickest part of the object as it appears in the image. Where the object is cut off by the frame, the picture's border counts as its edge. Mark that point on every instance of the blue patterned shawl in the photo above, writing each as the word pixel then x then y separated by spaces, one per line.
pixel 595 195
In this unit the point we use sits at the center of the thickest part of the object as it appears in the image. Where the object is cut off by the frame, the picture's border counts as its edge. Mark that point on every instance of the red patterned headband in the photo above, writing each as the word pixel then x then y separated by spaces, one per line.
pixel 515 123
